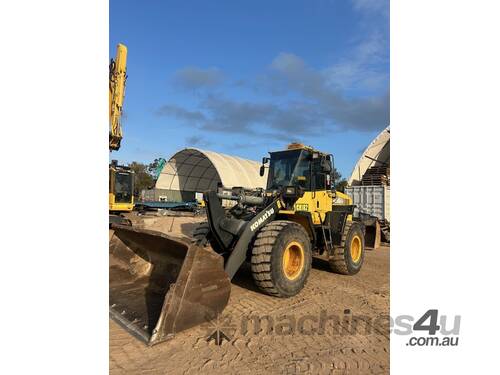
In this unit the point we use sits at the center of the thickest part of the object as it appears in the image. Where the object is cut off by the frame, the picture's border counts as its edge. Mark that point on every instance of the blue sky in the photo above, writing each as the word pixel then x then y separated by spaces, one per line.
pixel 248 77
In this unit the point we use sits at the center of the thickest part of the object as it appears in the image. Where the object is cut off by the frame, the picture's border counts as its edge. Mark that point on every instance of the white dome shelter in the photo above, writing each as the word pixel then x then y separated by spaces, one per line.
pixel 193 170
pixel 376 154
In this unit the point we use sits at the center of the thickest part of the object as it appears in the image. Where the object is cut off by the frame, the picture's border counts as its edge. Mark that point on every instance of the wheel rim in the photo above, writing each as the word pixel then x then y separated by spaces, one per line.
pixel 356 249
pixel 293 260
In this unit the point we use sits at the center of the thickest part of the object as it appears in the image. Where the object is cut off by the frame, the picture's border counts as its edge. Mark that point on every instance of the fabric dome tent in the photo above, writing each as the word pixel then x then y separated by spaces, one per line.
pixel 193 170
pixel 377 153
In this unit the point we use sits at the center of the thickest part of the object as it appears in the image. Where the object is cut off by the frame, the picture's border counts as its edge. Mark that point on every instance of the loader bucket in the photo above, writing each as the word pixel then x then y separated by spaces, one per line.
pixel 160 285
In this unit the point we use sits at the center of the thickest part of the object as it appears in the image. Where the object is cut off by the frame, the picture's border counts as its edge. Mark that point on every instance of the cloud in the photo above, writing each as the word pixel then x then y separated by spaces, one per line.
pixel 297 101
pixel 267 119
pixel 181 113
pixel 323 99
pixel 197 140
pixel 233 116
pixel 193 78
pixel 292 120
pixel 371 6
pixel 364 68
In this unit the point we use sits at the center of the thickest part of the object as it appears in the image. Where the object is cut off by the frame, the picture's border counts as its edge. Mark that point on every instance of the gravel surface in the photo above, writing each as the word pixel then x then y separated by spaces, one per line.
pixel 336 325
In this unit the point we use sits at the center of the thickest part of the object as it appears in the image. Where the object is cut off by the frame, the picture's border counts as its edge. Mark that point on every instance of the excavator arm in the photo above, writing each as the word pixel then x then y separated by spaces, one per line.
pixel 121 179
pixel 117 79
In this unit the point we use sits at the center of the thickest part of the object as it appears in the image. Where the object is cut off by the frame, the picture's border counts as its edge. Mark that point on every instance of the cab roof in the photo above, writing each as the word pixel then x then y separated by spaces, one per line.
pixel 300 146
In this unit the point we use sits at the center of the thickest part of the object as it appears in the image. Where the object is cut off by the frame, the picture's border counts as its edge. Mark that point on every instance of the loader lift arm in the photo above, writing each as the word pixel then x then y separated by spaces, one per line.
pixel 233 235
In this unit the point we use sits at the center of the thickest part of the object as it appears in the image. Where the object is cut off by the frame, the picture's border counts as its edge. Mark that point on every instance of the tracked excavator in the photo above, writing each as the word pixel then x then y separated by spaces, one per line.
pixel 161 285
pixel 121 178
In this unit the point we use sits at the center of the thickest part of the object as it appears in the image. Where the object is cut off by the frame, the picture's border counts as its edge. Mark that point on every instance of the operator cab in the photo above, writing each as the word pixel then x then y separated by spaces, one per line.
pixel 121 188
pixel 299 166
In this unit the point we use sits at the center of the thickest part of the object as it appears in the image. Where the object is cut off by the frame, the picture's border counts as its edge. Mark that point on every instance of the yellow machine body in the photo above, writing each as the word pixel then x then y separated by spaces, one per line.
pixel 121 189
pixel 319 202
pixel 121 179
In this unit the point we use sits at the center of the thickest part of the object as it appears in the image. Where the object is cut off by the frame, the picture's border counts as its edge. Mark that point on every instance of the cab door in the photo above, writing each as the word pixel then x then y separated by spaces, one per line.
pixel 322 197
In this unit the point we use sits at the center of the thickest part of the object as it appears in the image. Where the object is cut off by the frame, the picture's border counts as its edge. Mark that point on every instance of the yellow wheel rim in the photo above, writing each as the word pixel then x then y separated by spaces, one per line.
pixel 356 249
pixel 293 260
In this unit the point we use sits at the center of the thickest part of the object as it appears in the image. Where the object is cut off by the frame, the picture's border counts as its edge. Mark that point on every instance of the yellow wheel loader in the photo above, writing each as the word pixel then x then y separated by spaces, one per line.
pixel 160 285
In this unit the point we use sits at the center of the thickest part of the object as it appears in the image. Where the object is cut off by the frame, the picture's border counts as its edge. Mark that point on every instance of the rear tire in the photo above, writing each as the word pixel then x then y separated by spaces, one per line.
pixel 281 258
pixel 348 258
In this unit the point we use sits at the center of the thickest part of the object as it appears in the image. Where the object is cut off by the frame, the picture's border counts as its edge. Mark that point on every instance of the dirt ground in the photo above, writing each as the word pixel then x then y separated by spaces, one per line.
pixel 336 325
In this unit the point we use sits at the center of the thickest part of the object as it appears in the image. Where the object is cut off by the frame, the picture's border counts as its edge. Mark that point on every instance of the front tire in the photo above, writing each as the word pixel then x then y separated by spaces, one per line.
pixel 348 258
pixel 202 236
pixel 281 258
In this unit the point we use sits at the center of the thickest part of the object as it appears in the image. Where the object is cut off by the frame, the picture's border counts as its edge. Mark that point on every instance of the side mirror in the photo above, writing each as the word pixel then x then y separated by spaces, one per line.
pixel 263 166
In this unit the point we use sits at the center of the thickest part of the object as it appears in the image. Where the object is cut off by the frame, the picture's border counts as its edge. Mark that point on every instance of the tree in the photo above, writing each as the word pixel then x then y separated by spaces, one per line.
pixel 154 168
pixel 339 182
pixel 143 178
pixel 341 185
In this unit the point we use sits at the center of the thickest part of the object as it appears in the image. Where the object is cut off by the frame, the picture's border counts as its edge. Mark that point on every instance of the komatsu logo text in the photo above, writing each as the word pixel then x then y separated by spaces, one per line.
pixel 262 219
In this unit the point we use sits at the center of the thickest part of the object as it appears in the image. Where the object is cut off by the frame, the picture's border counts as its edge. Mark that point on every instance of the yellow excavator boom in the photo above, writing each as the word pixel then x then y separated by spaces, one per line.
pixel 121 179
pixel 117 79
